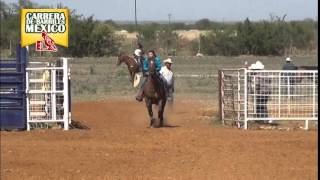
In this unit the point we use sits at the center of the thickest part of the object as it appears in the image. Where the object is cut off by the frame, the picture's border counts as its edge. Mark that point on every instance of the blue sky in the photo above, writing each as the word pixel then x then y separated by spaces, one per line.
pixel 227 10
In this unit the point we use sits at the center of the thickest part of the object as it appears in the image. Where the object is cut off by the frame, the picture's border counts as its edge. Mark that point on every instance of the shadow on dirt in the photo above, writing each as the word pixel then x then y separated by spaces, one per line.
pixel 78 125
pixel 169 126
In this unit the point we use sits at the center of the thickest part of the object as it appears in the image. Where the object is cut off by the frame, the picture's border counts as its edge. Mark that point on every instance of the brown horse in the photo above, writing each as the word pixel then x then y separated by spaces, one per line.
pixel 154 93
pixel 306 75
pixel 133 65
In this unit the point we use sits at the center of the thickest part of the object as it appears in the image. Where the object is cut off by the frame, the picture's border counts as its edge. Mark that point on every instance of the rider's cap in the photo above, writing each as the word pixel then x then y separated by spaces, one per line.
pixel 168 61
pixel 288 59
pixel 137 52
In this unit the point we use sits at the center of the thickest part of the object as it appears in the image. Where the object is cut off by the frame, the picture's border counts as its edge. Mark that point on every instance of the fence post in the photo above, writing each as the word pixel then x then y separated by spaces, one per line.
pixel 239 100
pixel 65 94
pixel 289 93
pixel 27 100
pixel 254 95
pixel 245 99
pixel 279 93
pixel 53 95
pixel 314 96
pixel 69 94
pixel 306 125
pixel 23 55
pixel 220 81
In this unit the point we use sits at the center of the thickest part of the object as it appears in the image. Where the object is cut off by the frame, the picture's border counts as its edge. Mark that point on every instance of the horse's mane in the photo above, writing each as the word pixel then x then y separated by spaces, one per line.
pixel 123 55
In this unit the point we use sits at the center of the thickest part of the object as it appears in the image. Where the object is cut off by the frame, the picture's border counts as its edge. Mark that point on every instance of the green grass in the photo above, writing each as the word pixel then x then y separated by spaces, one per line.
pixel 100 79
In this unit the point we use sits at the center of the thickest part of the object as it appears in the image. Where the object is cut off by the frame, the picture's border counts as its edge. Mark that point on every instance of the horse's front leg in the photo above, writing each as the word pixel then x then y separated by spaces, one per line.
pixel 161 106
pixel 149 107
pixel 132 77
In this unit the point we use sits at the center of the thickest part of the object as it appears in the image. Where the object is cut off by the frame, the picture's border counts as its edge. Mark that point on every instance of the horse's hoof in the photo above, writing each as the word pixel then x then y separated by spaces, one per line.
pixel 139 99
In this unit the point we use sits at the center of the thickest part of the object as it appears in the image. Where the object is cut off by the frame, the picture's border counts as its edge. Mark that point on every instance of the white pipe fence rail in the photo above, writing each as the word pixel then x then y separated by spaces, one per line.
pixel 268 96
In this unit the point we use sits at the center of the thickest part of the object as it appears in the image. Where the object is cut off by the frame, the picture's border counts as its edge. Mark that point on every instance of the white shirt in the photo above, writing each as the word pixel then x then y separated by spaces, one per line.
pixel 167 74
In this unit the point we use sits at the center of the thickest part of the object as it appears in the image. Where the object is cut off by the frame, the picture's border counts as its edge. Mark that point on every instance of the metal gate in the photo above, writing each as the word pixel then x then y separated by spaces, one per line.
pixel 231 83
pixel 12 91
pixel 48 94
pixel 268 95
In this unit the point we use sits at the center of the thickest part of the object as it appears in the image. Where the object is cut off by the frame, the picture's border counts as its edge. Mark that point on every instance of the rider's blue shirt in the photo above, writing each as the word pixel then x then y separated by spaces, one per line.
pixel 157 63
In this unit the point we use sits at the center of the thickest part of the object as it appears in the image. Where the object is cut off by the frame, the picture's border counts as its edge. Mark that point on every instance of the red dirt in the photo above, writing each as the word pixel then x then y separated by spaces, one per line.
pixel 120 146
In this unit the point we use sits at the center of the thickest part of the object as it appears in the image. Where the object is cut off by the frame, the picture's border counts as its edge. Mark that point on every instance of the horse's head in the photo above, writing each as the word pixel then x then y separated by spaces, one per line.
pixel 151 58
pixel 152 67
pixel 120 59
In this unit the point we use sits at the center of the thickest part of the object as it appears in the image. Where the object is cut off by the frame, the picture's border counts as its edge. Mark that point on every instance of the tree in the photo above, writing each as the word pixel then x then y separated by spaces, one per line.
pixel 221 43
pixel 103 41
pixel 203 24
pixel 245 36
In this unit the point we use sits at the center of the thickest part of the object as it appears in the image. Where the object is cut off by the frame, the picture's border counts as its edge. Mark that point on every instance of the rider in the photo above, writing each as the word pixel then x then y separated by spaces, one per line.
pixel 167 76
pixel 139 55
pixel 151 55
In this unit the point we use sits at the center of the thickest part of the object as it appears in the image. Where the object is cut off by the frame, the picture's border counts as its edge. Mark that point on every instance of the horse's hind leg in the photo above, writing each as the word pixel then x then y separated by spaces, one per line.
pixel 149 107
pixel 162 105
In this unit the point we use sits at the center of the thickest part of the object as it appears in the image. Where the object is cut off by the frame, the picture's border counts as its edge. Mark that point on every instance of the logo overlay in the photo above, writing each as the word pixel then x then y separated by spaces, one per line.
pixel 45 27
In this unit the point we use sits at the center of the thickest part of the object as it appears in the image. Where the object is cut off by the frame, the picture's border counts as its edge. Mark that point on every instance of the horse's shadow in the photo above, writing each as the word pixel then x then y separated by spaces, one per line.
pixel 169 126
pixel 165 125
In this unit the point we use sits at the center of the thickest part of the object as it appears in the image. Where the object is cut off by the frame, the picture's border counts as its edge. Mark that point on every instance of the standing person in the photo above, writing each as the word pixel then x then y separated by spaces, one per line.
pixel 289 66
pixel 167 76
pixel 246 66
pixel 262 90
pixel 150 56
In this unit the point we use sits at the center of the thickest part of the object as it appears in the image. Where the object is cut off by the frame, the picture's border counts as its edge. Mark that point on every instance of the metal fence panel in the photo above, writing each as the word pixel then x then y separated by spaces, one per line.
pixel 12 91
pixel 269 95
pixel 48 94
pixel 232 95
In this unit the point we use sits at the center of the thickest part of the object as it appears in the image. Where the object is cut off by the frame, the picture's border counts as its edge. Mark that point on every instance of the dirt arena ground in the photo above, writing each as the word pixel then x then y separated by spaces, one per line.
pixel 119 145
